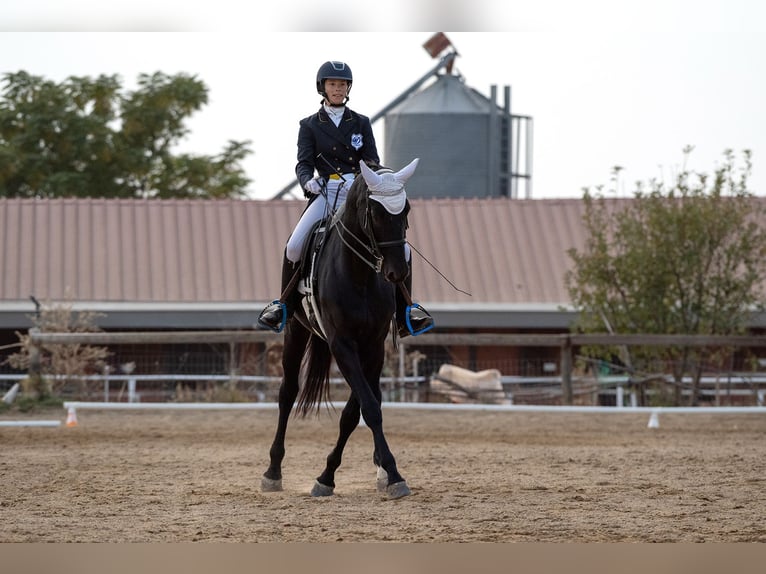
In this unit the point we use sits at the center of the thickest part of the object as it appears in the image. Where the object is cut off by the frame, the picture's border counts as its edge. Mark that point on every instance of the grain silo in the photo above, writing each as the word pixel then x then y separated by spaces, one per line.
pixel 468 144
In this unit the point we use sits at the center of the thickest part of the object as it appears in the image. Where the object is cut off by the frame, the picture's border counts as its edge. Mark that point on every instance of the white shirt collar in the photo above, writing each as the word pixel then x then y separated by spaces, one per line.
pixel 335 113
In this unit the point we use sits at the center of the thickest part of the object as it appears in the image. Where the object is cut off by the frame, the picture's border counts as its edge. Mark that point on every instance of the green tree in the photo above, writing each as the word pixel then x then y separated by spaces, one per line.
pixel 684 259
pixel 84 137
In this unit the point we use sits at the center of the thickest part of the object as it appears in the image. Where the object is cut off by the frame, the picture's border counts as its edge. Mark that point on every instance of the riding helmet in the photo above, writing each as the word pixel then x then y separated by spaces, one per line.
pixel 333 70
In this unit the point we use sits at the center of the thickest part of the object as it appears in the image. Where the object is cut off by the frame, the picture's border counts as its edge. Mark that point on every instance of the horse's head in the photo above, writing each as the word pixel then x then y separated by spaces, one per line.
pixel 382 208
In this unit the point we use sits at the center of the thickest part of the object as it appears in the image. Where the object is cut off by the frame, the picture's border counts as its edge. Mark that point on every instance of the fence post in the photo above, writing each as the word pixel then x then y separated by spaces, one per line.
pixel 566 370
pixel 106 383
pixel 132 396
pixel 35 364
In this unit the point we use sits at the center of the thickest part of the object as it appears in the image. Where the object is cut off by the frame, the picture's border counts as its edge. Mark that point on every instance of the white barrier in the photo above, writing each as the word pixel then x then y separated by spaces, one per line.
pixel 653 412
pixel 461 385
pixel 30 423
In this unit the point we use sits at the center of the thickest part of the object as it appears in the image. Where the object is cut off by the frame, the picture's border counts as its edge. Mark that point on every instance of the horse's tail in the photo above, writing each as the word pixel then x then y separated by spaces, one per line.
pixel 316 388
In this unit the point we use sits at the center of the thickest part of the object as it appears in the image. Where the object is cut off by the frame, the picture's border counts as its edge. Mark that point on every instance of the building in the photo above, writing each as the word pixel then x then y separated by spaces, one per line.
pixel 480 264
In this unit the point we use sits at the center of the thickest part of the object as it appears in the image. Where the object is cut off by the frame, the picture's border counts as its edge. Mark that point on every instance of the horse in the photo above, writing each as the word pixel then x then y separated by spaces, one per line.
pixel 356 272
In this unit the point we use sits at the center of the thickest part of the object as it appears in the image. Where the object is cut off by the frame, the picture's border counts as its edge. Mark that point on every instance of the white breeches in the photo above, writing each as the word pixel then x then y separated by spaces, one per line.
pixel 317 210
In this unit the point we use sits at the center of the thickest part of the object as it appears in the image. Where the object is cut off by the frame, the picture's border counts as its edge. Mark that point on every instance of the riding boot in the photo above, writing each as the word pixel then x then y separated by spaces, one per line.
pixel 275 314
pixel 411 318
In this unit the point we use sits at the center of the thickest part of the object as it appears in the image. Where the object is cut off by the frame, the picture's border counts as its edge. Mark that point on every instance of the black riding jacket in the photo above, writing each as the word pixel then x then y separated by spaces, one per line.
pixel 342 146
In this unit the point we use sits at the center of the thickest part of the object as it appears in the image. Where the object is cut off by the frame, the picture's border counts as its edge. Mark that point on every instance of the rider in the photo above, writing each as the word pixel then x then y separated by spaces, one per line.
pixel 331 142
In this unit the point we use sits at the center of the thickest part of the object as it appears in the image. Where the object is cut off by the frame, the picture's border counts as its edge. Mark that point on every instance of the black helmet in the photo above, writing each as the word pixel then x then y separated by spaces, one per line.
pixel 335 71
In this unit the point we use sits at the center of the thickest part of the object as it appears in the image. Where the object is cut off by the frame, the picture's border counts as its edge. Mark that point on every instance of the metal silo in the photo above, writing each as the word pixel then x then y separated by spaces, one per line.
pixel 463 139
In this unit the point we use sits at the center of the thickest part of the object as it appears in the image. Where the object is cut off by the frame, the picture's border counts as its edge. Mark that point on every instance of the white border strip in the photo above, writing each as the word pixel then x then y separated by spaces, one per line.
pixel 421 406
pixel 30 423
pixel 654 412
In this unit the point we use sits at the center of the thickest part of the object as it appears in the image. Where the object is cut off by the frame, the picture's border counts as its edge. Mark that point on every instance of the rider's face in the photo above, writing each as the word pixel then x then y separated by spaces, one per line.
pixel 336 91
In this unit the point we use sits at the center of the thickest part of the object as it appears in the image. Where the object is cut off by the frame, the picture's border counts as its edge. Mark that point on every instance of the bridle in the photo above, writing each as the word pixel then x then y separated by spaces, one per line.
pixel 368 251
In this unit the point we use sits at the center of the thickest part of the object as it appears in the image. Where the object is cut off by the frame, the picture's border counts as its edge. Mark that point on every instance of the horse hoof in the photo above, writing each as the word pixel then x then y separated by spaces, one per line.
pixel 322 490
pixel 271 485
pixel 398 490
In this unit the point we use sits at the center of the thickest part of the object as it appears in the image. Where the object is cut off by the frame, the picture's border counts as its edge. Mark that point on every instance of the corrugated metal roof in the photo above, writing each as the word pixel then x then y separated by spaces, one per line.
pixel 142 250
pixel 503 252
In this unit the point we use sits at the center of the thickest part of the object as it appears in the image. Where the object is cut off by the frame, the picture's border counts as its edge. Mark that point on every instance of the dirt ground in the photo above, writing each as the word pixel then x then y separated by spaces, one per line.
pixel 183 476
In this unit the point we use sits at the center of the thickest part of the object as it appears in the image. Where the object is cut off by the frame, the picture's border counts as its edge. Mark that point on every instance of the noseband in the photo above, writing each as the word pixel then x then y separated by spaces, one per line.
pixel 372 255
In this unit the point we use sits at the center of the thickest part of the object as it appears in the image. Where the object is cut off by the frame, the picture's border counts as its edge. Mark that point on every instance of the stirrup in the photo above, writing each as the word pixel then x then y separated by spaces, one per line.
pixel 282 308
pixel 429 324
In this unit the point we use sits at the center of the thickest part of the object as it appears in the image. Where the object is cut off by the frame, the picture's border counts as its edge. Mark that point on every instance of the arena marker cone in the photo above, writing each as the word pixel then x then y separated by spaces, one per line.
pixel 10 396
pixel 71 417
pixel 654 420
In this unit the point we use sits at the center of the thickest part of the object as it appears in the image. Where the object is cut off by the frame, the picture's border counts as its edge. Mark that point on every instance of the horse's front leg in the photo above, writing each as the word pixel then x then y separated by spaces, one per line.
pixel 381 477
pixel 362 381
pixel 349 420
pixel 295 341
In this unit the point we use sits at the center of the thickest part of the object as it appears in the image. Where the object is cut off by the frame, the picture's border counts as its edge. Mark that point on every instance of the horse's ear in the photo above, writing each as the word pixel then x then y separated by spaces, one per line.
pixel 406 172
pixel 370 176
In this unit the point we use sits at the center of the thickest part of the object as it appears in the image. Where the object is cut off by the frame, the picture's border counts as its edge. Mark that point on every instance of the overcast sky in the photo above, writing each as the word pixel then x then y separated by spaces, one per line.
pixel 608 83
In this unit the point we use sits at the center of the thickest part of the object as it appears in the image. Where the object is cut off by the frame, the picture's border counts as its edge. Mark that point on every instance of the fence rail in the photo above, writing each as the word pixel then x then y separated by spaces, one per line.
pixel 427 339
pixel 518 390
pixel 565 342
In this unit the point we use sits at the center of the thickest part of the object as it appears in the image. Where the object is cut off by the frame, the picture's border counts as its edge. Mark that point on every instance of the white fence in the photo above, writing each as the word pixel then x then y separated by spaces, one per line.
pixel 416 389
pixel 565 342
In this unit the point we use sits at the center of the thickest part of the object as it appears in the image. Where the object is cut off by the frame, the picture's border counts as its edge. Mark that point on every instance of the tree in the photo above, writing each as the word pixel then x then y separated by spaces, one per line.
pixel 85 138
pixel 684 259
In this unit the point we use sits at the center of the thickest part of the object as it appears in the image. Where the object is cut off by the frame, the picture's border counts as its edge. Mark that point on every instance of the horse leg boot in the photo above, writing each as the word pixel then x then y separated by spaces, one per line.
pixel 275 315
pixel 411 318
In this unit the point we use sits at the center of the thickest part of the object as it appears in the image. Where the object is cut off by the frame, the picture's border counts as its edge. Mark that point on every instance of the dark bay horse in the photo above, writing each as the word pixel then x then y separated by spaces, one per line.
pixel 359 266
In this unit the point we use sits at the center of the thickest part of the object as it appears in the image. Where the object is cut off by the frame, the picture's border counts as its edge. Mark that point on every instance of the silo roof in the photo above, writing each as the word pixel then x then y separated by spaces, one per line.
pixel 447 95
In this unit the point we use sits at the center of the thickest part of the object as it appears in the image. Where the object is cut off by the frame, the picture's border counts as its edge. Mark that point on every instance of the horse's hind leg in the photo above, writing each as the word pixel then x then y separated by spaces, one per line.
pixel 349 420
pixel 296 338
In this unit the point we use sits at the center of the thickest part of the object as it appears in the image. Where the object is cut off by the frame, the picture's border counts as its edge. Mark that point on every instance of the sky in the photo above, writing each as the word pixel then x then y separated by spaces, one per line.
pixel 607 83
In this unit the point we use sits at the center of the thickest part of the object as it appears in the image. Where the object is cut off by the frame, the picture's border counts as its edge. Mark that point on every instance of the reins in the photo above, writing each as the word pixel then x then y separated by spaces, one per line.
pixel 374 252
pixel 371 250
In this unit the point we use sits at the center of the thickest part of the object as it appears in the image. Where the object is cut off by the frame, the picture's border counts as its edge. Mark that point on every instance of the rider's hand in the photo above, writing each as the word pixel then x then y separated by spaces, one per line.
pixel 314 185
